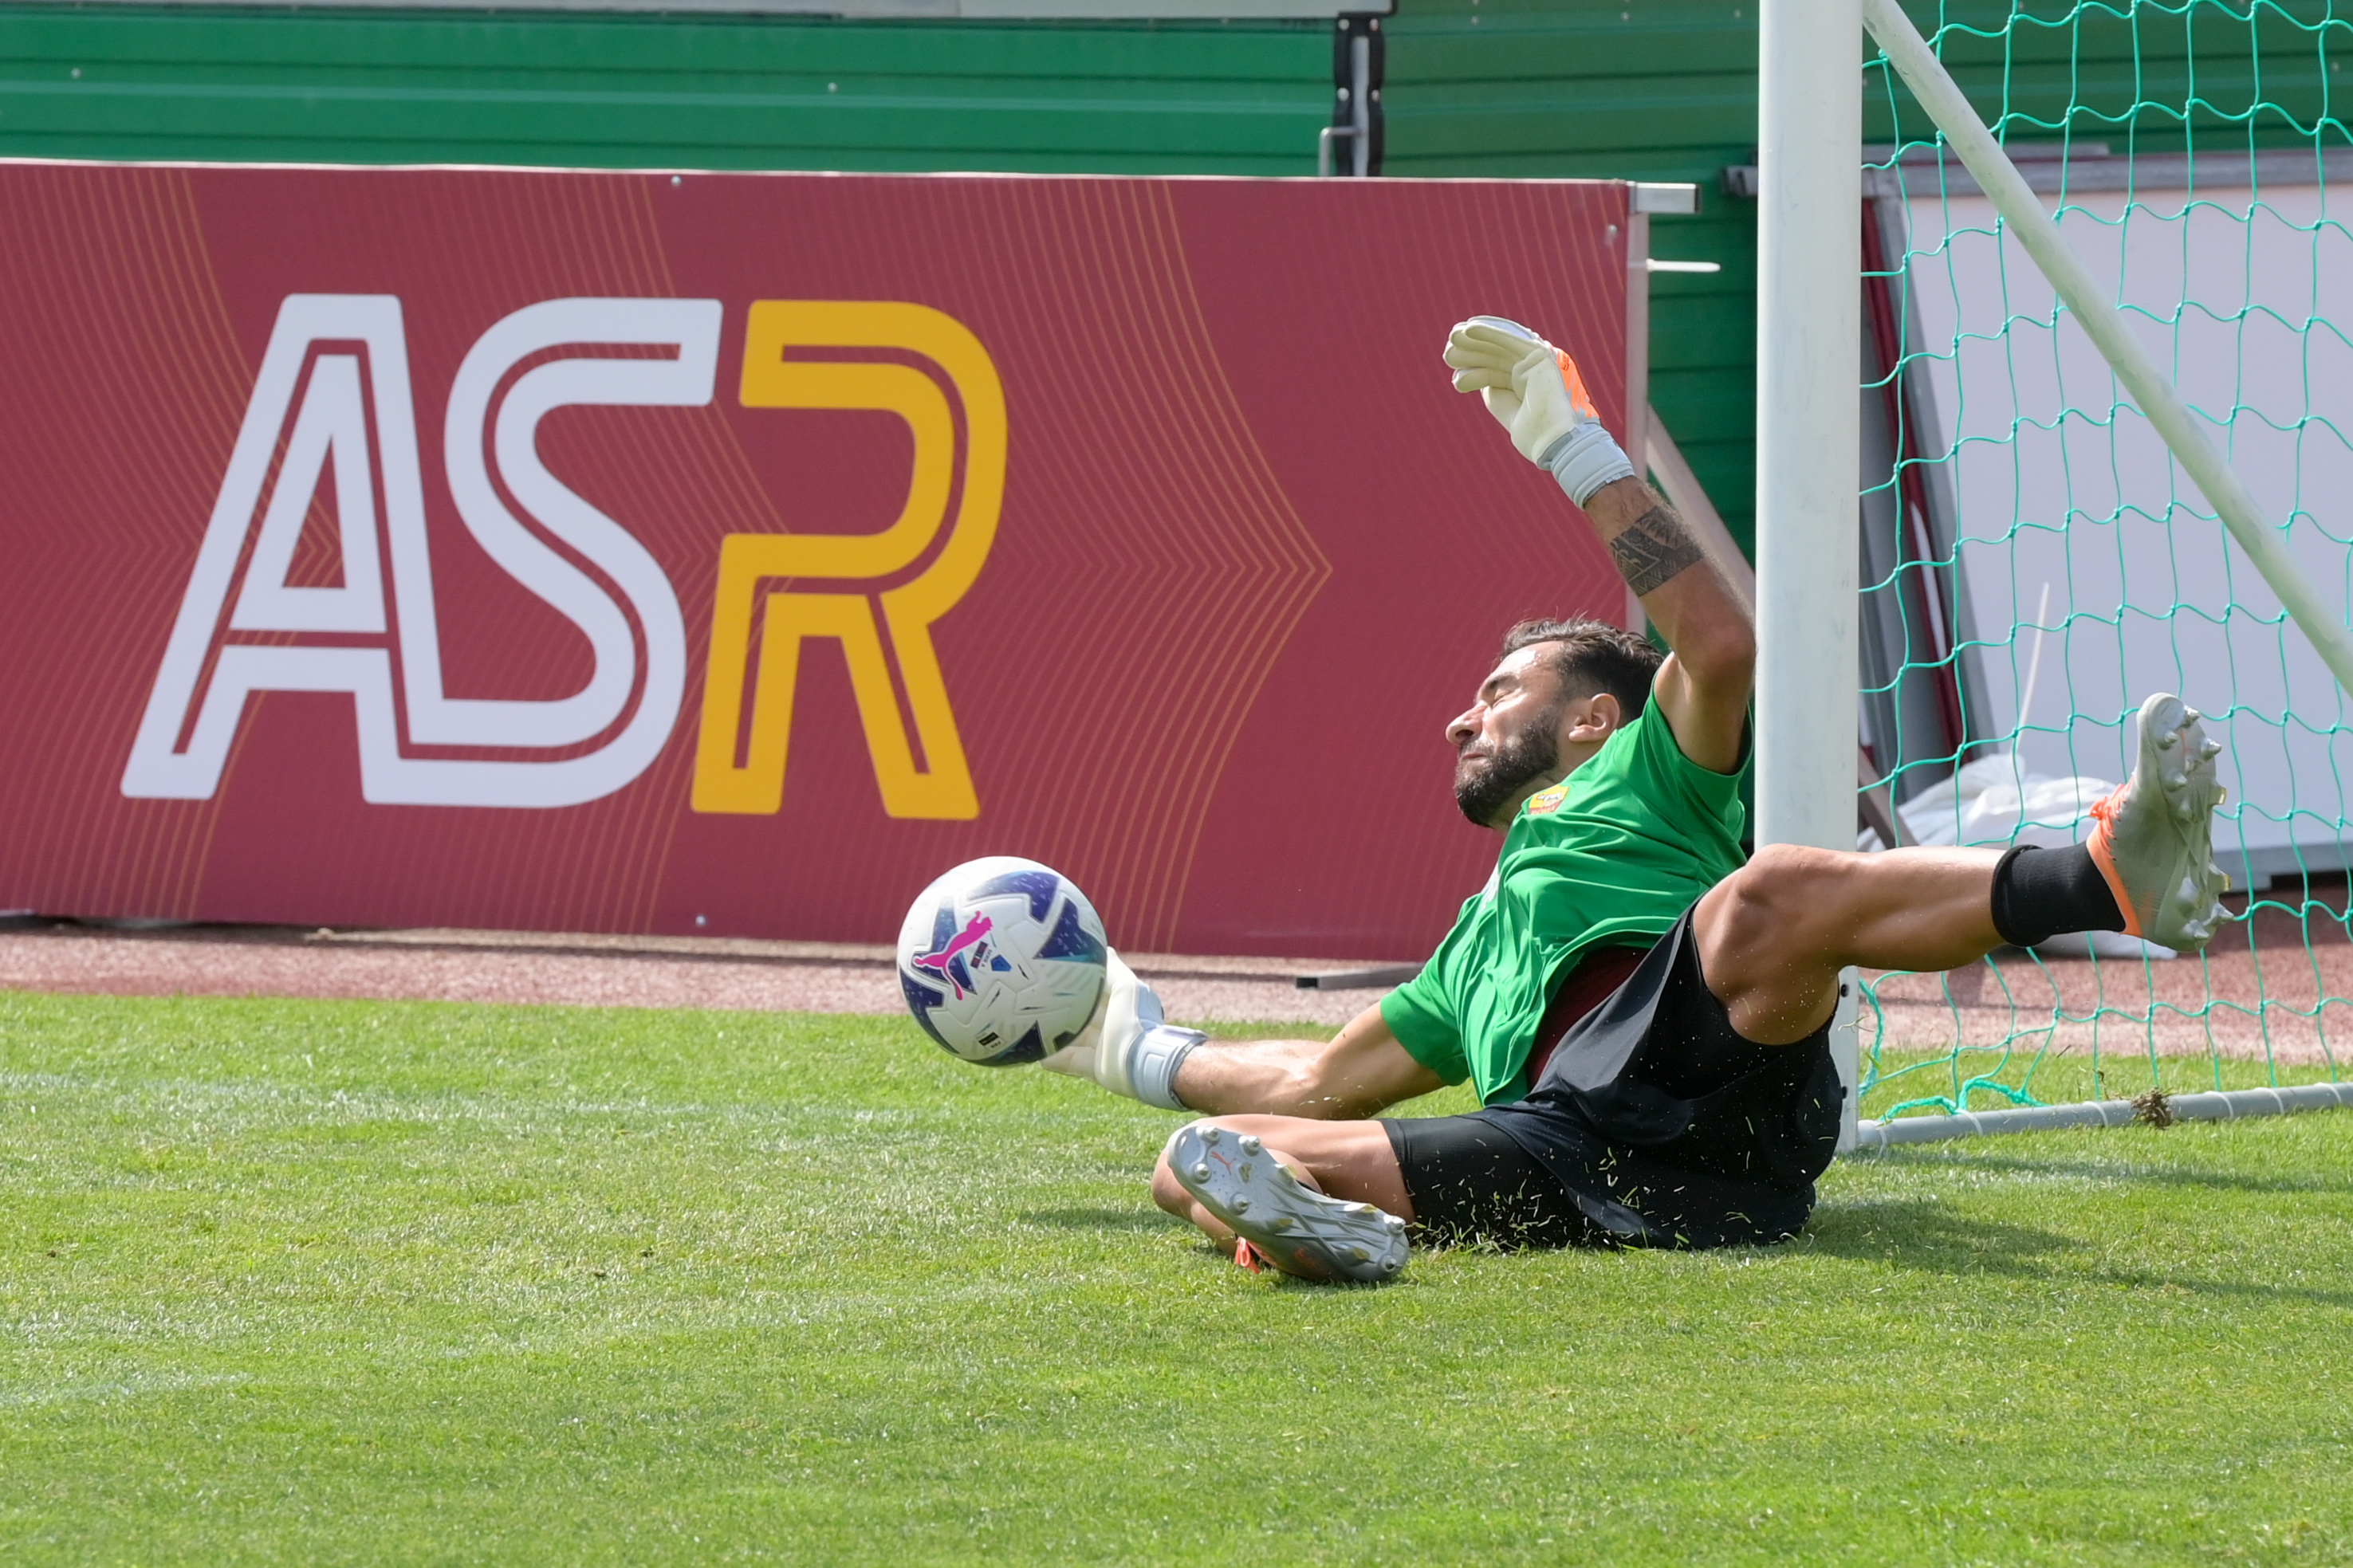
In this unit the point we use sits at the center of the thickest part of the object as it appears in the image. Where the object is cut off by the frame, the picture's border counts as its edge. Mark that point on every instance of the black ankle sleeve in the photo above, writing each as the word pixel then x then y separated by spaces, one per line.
pixel 2038 894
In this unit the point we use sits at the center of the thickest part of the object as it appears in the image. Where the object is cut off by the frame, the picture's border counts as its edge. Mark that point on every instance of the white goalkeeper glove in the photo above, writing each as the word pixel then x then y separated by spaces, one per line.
pixel 1535 393
pixel 1128 1046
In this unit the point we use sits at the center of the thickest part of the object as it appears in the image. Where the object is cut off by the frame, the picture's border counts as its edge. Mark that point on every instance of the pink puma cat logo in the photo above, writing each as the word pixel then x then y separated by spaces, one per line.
pixel 948 962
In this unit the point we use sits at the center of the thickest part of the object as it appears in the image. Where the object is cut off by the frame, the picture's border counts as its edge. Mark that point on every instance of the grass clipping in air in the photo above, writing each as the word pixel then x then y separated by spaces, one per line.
pixel 329 1281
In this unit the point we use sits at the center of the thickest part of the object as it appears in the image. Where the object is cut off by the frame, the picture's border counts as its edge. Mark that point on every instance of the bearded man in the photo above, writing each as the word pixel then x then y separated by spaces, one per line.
pixel 1646 1018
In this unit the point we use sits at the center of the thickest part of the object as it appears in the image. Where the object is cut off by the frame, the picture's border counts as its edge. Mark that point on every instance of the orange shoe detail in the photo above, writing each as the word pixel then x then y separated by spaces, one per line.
pixel 1247 1257
pixel 2104 856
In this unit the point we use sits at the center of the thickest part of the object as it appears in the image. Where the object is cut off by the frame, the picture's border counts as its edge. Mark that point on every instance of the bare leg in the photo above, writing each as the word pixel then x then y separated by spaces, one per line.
pixel 1351 1160
pixel 1774 935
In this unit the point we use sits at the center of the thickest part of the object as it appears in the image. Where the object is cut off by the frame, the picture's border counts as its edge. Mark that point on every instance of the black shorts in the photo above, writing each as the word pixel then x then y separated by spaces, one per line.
pixel 1654 1124
pixel 1470 1181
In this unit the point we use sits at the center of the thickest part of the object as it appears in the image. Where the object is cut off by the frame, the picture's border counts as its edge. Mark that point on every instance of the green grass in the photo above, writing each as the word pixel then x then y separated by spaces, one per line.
pixel 313 1283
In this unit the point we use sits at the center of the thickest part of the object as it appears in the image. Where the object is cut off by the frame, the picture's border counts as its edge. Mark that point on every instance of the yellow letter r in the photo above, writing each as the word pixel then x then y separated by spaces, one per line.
pixel 942 787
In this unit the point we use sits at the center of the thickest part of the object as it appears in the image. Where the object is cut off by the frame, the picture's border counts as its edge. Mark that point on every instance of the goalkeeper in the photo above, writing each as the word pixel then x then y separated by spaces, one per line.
pixel 1646 1019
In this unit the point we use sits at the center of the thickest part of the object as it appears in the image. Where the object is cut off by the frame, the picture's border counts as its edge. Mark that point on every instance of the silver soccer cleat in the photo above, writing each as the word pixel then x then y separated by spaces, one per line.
pixel 2153 839
pixel 1295 1227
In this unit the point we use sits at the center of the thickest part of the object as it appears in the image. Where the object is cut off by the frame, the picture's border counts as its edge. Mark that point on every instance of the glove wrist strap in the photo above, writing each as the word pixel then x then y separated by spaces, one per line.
pixel 1152 1062
pixel 1584 459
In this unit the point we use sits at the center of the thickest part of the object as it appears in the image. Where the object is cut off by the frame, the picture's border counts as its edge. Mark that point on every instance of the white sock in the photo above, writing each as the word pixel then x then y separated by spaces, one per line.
pixel 1153 1060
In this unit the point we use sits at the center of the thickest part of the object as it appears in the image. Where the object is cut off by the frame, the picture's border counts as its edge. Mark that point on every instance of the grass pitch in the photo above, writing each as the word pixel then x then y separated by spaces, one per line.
pixel 295 1282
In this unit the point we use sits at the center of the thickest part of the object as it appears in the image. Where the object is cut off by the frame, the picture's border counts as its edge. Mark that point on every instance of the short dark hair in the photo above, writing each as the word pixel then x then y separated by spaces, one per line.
pixel 1592 657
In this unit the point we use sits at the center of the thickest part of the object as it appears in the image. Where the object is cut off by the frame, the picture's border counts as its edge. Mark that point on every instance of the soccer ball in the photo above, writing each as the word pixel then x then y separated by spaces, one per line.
pixel 1002 961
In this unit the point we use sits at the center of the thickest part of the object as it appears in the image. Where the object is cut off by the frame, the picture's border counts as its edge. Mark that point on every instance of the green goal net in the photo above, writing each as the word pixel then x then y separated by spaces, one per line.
pixel 2034 563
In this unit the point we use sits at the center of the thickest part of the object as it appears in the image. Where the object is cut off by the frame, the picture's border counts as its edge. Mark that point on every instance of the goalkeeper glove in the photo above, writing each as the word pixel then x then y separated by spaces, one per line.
pixel 1128 1046
pixel 1534 391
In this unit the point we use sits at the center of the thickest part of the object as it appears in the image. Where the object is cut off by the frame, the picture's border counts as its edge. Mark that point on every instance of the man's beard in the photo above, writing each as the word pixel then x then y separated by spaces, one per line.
pixel 1495 779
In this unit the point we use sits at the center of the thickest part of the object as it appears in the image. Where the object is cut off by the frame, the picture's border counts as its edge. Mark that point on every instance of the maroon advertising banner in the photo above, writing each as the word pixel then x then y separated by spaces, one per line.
pixel 730 553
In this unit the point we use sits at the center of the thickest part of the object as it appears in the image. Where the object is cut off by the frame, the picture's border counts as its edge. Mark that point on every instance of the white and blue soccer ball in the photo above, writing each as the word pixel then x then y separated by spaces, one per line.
pixel 1002 961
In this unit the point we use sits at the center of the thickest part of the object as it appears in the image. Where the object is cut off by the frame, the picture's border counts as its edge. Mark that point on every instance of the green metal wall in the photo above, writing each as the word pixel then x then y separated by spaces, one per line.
pixel 601 90
pixel 1630 90
pixel 2210 76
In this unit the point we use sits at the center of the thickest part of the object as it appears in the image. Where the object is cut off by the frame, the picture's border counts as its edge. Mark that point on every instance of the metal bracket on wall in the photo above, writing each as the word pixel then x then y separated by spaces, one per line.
pixel 1357 56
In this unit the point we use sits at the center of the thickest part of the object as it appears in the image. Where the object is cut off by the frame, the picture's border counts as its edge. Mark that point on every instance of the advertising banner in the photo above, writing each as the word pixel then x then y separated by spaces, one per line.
pixel 730 553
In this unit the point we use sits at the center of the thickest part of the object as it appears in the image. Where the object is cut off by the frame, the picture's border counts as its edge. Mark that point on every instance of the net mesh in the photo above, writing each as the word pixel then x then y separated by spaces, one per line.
pixel 2034 563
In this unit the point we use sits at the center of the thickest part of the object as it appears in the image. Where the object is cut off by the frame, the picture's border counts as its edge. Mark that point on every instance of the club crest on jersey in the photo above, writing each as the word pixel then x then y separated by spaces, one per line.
pixel 968 949
pixel 1543 802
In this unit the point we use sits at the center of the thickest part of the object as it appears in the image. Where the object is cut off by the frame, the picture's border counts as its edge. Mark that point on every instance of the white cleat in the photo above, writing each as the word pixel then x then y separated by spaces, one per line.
pixel 1298 1229
pixel 2153 839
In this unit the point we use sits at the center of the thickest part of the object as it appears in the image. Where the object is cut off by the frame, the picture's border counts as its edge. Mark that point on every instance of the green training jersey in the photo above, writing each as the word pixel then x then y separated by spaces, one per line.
pixel 1612 855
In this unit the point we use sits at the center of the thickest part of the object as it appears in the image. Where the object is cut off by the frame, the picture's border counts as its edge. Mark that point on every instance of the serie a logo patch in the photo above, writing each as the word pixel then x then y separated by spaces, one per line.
pixel 1543 802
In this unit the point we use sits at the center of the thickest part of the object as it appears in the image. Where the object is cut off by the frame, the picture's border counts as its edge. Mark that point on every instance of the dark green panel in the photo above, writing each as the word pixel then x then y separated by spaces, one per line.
pixel 2208 71
pixel 597 89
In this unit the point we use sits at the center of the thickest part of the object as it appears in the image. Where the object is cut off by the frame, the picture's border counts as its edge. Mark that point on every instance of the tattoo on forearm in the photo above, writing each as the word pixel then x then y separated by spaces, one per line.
pixel 1655 549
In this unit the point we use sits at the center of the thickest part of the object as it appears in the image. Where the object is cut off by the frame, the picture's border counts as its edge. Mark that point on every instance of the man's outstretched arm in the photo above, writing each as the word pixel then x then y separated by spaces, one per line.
pixel 1130 1049
pixel 1535 392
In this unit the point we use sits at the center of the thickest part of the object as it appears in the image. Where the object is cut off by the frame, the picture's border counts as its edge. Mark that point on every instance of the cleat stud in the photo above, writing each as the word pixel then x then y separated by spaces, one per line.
pixel 1393 1223
pixel 1390 1266
pixel 2167 743
pixel 1209 1136
pixel 2190 715
pixel 2176 779
pixel 1201 1172
pixel 1241 1205
pixel 2211 750
pixel 1250 1145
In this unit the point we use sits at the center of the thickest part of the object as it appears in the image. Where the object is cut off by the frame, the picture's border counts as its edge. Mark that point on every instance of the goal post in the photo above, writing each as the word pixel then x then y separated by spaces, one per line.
pixel 2148 498
pixel 1809 190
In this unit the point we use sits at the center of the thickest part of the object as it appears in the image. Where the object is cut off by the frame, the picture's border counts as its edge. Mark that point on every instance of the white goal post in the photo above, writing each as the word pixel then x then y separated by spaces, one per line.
pixel 1808 255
